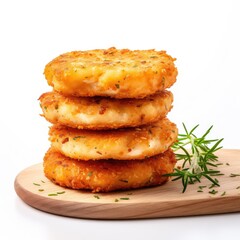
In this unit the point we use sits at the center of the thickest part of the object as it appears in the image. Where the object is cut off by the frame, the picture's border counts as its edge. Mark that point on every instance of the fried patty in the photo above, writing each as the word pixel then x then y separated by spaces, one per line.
pixel 107 175
pixel 104 113
pixel 118 73
pixel 120 144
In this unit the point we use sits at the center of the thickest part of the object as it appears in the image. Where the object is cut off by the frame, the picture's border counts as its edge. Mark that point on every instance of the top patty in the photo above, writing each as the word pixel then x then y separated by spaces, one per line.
pixel 117 73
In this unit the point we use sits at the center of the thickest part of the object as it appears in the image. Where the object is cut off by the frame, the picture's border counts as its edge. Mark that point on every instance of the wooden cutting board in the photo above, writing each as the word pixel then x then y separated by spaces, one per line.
pixel 164 201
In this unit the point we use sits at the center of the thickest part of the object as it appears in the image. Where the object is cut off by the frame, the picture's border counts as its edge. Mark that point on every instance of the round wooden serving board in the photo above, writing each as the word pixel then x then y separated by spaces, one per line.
pixel 164 201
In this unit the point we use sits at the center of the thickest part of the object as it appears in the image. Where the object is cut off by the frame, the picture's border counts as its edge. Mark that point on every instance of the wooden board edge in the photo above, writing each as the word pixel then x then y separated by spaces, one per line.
pixel 128 210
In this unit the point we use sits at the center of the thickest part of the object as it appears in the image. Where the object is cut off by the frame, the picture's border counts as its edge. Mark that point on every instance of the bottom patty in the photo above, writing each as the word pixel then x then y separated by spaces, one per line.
pixel 108 175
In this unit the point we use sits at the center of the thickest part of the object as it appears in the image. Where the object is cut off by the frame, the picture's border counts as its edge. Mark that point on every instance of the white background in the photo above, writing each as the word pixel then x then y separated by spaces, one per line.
pixel 202 35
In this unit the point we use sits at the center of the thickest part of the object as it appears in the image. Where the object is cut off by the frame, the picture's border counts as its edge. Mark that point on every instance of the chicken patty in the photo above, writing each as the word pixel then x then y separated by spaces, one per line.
pixel 117 73
pixel 108 175
pixel 104 113
pixel 120 144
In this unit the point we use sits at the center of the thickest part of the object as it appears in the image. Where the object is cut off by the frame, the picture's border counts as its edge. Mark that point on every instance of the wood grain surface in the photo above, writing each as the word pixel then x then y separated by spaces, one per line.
pixel 164 201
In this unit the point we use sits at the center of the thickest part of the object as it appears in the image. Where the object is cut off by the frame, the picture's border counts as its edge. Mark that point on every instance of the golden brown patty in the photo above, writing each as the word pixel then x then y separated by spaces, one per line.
pixel 121 144
pixel 104 113
pixel 118 73
pixel 107 175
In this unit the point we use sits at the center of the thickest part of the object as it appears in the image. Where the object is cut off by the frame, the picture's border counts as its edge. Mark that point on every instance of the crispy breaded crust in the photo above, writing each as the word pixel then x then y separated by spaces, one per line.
pixel 108 175
pixel 120 144
pixel 104 113
pixel 118 73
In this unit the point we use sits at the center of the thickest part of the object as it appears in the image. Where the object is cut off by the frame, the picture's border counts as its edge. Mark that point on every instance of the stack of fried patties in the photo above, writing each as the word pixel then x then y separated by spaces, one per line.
pixel 108 112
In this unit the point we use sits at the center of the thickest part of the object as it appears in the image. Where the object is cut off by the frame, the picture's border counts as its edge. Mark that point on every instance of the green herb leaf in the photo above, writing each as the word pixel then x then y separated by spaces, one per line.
pixel 36 184
pixel 234 175
pixel 61 192
pixel 213 191
pixel 75 138
pixel 90 174
pixel 197 162
pixel 52 194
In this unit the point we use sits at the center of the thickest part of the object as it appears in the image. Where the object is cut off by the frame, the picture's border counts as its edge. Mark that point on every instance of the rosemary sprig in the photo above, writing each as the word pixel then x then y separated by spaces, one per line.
pixel 198 157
